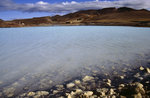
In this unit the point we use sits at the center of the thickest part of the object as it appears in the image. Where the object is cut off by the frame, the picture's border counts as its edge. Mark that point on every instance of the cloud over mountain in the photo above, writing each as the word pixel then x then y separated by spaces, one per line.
pixel 42 6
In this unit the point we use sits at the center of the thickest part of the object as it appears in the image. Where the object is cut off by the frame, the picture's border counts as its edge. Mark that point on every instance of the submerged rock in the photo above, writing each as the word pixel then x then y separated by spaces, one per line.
pixel 77 82
pixel 148 70
pixel 141 68
pixel 55 92
pixel 42 93
pixel 87 78
pixel 137 95
pixel 31 94
pixel 78 91
pixel 9 92
pixel 70 85
pixel 122 77
pixel 133 90
pixel 88 94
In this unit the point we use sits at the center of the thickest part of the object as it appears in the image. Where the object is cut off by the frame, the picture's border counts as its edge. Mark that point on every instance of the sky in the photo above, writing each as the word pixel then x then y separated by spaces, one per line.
pixel 18 9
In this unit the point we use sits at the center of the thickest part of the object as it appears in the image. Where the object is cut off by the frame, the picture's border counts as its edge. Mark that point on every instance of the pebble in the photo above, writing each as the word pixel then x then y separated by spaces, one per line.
pixel 55 92
pixel 141 68
pixel 70 85
pixel 122 77
pixel 87 78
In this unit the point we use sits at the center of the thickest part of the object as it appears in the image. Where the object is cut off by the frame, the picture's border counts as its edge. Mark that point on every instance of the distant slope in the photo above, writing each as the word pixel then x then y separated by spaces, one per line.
pixel 107 16
pixel 37 21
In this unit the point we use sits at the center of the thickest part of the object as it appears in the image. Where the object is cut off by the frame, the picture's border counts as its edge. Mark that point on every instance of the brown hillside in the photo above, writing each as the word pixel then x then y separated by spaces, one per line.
pixel 34 21
pixel 107 16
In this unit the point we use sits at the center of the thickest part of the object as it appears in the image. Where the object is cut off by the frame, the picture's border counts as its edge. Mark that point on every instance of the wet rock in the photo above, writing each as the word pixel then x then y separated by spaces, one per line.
pixel 36 96
pixel 22 95
pixel 139 88
pixel 77 82
pixel 102 92
pixel 141 78
pixel 133 89
pixel 141 68
pixel 31 94
pixel 55 92
pixel 137 75
pixel 113 96
pixel 42 93
pixel 60 87
pixel 61 97
pixel 147 82
pixel 78 91
pixel 88 93
pixel 9 92
pixel 111 91
pixel 148 70
pixel 122 77
pixel 122 96
pixel 70 85
pixel 108 82
pixel 137 95
pixel 121 86
pixel 87 78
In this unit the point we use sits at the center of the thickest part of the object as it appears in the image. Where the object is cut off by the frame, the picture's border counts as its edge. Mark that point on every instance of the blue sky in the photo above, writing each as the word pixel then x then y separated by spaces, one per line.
pixel 16 9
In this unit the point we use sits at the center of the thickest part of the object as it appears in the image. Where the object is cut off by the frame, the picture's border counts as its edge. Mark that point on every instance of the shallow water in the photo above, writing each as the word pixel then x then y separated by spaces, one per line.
pixel 31 54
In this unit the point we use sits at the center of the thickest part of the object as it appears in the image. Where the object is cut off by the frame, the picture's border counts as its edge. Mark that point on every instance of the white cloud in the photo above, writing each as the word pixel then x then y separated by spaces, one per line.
pixel 42 6
pixel 42 3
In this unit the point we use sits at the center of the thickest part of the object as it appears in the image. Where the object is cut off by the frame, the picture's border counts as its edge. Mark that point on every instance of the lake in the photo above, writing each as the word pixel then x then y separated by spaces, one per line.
pixel 40 57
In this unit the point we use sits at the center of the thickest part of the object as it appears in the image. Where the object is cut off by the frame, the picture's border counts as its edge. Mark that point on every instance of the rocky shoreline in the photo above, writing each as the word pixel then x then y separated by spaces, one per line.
pixel 134 84
pixel 128 81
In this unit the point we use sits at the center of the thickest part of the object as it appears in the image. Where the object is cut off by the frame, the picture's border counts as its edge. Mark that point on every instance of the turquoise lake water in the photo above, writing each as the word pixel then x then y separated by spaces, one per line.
pixel 38 50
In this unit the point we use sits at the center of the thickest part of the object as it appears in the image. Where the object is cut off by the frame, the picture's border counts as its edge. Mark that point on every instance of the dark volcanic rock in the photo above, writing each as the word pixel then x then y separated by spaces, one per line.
pixel 124 9
pixel 107 10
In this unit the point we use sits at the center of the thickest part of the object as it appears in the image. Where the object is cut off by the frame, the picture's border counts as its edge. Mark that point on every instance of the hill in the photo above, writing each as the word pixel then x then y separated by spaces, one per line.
pixel 108 16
